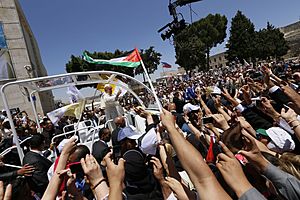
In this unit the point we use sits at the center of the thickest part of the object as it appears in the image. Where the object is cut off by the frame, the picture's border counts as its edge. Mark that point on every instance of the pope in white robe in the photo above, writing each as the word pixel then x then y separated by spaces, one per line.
pixel 112 106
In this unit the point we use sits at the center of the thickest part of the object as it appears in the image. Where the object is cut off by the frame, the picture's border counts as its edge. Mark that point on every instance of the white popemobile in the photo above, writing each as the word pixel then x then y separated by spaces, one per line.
pixel 86 134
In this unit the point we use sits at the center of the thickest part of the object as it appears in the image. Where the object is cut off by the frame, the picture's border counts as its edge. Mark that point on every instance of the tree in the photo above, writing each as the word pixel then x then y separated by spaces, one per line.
pixel 150 57
pixel 211 31
pixel 194 43
pixel 241 44
pixel 189 51
pixel 270 42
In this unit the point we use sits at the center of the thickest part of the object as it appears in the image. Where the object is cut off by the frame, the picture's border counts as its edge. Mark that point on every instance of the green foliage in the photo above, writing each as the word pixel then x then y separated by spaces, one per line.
pixel 189 51
pixel 150 57
pixel 241 43
pixel 270 42
pixel 193 44
pixel 245 43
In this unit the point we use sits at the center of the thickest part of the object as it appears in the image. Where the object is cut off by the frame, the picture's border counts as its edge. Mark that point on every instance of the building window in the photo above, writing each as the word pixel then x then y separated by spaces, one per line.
pixel 6 68
pixel 3 44
pixel 215 59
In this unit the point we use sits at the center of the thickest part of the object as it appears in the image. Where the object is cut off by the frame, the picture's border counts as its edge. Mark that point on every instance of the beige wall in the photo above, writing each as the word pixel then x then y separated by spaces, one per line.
pixel 217 60
pixel 23 50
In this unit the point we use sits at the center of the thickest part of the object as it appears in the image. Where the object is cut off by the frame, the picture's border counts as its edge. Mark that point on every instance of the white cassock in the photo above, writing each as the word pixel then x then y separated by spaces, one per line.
pixel 112 107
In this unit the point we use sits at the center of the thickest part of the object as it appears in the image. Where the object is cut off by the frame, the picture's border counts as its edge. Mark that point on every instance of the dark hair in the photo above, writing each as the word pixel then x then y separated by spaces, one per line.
pixel 36 140
pixel 101 131
pixel 6 125
pixel 81 152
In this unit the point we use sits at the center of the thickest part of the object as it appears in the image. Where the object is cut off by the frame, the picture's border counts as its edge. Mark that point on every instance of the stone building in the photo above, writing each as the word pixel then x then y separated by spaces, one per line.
pixel 217 60
pixel 20 59
pixel 292 35
pixel 180 71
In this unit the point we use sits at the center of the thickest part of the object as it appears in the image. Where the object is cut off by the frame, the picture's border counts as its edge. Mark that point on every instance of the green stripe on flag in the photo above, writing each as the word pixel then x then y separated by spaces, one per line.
pixel 89 59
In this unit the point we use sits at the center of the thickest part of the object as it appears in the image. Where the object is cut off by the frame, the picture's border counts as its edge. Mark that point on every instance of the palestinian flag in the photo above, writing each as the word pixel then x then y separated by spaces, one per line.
pixel 132 60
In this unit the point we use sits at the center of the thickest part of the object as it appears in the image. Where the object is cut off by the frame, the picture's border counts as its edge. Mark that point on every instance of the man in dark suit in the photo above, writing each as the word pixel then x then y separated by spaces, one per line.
pixel 100 146
pixel 38 182
pixel 120 123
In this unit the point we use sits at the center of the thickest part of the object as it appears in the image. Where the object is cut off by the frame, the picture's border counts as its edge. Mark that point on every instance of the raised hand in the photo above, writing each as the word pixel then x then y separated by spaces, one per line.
pixel 177 188
pixel 220 121
pixel 288 91
pixel 91 169
pixel 69 146
pixel 252 152
pixel 269 109
pixel 226 94
pixel 167 118
pixel 266 70
pixel 217 101
pixel 115 173
pixel 232 171
pixel 157 168
pixel 289 115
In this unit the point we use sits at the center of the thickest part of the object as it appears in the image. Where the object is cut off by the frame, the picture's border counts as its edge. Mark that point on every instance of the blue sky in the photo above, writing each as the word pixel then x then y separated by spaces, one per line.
pixel 65 27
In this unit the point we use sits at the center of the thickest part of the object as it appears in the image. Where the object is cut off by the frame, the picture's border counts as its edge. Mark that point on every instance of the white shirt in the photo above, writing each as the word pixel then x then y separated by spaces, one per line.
pixel 110 100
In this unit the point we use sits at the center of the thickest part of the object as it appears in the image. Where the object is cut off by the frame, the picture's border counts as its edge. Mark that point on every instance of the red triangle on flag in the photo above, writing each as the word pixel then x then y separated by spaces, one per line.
pixel 134 56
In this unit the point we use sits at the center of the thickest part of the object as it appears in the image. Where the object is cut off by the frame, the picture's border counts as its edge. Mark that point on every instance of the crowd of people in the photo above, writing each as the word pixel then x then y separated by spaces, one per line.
pixel 227 133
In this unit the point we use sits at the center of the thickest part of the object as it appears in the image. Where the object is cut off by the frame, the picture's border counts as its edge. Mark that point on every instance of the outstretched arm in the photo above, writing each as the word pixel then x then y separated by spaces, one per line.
pixel 199 172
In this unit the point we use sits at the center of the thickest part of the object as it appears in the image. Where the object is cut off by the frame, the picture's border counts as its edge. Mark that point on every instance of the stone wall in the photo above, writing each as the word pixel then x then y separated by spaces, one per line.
pixel 23 50
pixel 292 35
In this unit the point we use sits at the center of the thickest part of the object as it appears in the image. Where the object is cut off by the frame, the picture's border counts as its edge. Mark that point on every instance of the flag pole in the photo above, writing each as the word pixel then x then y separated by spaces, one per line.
pixel 94 98
pixel 80 116
pixel 151 85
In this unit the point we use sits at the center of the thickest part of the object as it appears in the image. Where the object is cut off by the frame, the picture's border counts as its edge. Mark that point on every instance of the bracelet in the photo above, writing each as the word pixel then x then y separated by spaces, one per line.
pixel 103 179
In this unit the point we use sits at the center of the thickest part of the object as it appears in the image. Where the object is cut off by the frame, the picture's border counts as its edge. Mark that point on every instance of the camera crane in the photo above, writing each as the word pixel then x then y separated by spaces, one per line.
pixel 176 25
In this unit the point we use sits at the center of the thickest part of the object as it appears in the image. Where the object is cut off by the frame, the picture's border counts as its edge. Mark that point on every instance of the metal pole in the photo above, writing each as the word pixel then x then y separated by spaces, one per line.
pixel 151 86
pixel 13 129
pixel 77 125
pixel 35 113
